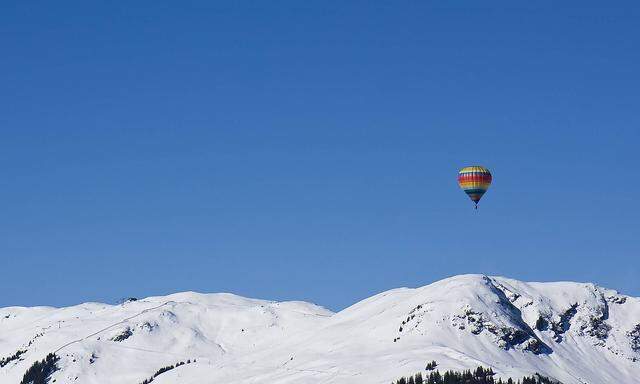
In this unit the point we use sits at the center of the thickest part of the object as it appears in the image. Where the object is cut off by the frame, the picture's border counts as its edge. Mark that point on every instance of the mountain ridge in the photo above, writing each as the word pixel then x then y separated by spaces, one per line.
pixel 572 332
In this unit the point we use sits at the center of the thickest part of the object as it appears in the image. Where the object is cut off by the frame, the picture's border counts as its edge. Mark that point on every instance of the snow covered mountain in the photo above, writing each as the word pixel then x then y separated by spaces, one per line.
pixel 575 333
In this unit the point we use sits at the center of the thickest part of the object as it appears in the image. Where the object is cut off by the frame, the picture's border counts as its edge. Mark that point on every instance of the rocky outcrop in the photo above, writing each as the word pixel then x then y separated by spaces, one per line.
pixel 122 336
pixel 506 337
pixel 634 339
pixel 563 323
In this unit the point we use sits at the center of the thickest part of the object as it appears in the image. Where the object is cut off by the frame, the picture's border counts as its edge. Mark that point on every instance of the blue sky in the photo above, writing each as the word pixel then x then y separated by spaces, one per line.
pixel 309 150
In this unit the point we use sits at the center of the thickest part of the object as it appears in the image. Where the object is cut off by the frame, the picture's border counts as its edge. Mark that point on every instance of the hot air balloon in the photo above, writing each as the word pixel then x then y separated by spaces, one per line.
pixel 475 181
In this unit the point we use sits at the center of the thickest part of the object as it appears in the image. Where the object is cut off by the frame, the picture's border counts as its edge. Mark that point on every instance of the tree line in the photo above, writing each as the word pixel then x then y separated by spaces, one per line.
pixel 478 376
pixel 6 360
pixel 41 371
pixel 165 369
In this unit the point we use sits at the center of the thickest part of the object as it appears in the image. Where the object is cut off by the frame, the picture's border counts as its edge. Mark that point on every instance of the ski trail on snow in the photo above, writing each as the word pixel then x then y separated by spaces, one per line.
pixel 113 325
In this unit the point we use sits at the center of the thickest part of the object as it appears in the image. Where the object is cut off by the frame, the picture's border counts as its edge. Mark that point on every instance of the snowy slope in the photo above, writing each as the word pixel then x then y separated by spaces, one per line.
pixel 576 333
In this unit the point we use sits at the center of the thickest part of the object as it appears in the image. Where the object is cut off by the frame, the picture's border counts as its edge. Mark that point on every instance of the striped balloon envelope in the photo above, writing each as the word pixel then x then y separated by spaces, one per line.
pixel 474 181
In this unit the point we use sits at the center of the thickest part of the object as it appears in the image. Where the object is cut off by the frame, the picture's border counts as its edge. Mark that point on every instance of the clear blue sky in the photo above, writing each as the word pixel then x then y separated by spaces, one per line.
pixel 309 150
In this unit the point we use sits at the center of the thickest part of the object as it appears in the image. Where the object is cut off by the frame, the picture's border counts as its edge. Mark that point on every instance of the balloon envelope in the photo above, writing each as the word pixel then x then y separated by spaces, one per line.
pixel 475 181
